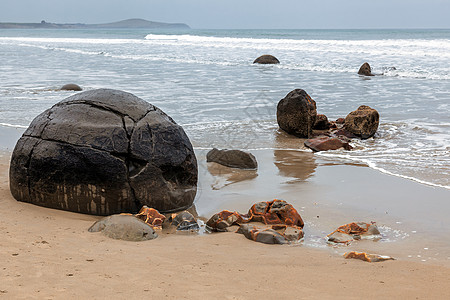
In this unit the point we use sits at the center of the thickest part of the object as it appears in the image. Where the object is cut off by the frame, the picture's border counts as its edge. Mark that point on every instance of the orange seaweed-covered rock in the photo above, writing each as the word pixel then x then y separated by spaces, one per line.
pixel 221 220
pixel 151 216
pixel 367 257
pixel 354 231
pixel 275 212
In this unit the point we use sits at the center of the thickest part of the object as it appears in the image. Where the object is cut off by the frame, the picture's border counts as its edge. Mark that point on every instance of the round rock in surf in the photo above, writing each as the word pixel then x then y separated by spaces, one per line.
pixel 104 152
pixel 266 59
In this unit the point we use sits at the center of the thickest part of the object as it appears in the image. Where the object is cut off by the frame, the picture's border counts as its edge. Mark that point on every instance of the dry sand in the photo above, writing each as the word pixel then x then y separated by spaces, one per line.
pixel 49 254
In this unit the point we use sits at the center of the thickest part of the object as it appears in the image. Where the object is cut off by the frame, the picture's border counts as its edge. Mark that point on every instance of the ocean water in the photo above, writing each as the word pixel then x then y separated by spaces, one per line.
pixel 205 80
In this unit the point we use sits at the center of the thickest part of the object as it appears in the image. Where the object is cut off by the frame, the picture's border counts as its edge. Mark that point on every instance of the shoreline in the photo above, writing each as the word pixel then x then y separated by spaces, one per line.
pixel 50 254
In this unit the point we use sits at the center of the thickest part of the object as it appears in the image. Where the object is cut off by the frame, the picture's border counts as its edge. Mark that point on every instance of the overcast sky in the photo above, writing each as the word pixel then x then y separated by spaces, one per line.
pixel 244 14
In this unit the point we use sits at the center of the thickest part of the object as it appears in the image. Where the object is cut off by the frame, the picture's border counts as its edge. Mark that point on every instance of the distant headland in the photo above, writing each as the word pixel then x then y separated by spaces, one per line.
pixel 130 23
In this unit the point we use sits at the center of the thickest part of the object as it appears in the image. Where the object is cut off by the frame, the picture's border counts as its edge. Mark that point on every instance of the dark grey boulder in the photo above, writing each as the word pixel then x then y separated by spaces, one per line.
pixel 296 113
pixel 321 123
pixel 365 70
pixel 232 158
pixel 104 152
pixel 266 59
pixel 71 87
pixel 124 227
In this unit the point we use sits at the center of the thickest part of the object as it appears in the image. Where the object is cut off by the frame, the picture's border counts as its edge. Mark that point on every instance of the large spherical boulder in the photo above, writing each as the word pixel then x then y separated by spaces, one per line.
pixel 266 59
pixel 362 122
pixel 365 70
pixel 104 152
pixel 296 113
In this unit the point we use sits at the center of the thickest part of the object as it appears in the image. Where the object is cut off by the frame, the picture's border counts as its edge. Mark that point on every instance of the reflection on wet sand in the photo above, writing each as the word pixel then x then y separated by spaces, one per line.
pixel 224 176
pixel 295 164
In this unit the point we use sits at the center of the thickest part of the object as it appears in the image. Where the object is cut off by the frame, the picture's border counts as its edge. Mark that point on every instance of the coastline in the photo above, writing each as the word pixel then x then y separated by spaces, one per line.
pixel 70 262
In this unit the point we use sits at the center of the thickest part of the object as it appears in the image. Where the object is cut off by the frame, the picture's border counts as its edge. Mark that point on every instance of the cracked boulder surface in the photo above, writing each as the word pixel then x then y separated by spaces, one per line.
pixel 104 152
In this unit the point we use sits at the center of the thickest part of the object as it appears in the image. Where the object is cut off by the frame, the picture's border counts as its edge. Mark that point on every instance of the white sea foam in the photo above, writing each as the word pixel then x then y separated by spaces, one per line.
pixel 13 125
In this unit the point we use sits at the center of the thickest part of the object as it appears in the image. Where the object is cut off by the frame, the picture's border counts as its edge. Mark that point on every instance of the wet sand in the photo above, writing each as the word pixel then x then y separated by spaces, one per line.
pixel 49 254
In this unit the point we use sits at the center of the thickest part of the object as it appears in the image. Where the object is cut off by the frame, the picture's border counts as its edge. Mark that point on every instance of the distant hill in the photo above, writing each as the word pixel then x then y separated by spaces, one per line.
pixel 130 23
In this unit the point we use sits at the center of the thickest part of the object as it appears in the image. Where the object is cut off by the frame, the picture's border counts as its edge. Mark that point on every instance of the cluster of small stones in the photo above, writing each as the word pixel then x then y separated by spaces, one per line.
pixel 144 225
pixel 297 115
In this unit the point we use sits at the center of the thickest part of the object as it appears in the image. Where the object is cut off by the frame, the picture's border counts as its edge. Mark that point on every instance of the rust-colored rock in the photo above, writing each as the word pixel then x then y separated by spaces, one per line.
pixel 367 257
pixel 324 143
pixel 151 217
pixel 365 70
pixel 224 219
pixel 354 231
pixel 275 212
pixel 340 121
pixel 362 122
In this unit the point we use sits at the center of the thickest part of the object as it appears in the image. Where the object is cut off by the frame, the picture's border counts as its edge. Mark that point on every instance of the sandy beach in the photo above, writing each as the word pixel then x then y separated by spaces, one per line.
pixel 49 254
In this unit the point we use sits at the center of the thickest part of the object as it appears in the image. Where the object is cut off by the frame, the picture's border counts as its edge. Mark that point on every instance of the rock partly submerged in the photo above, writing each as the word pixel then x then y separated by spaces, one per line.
pixel 347 233
pixel 266 59
pixel 365 70
pixel 362 122
pixel 296 113
pixel 71 87
pixel 232 158
pixel 104 152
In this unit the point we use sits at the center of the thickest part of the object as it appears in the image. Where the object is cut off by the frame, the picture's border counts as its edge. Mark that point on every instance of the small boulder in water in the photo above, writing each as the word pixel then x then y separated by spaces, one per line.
pixel 296 113
pixel 71 87
pixel 365 70
pixel 347 233
pixel 232 158
pixel 362 122
pixel 266 59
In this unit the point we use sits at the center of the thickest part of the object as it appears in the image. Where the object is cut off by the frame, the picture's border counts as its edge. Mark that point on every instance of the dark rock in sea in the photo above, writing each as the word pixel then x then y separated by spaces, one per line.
pixel 296 113
pixel 266 59
pixel 321 123
pixel 185 221
pixel 232 158
pixel 124 227
pixel 347 233
pixel 362 122
pixel 365 70
pixel 104 152
pixel 325 143
pixel 71 87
